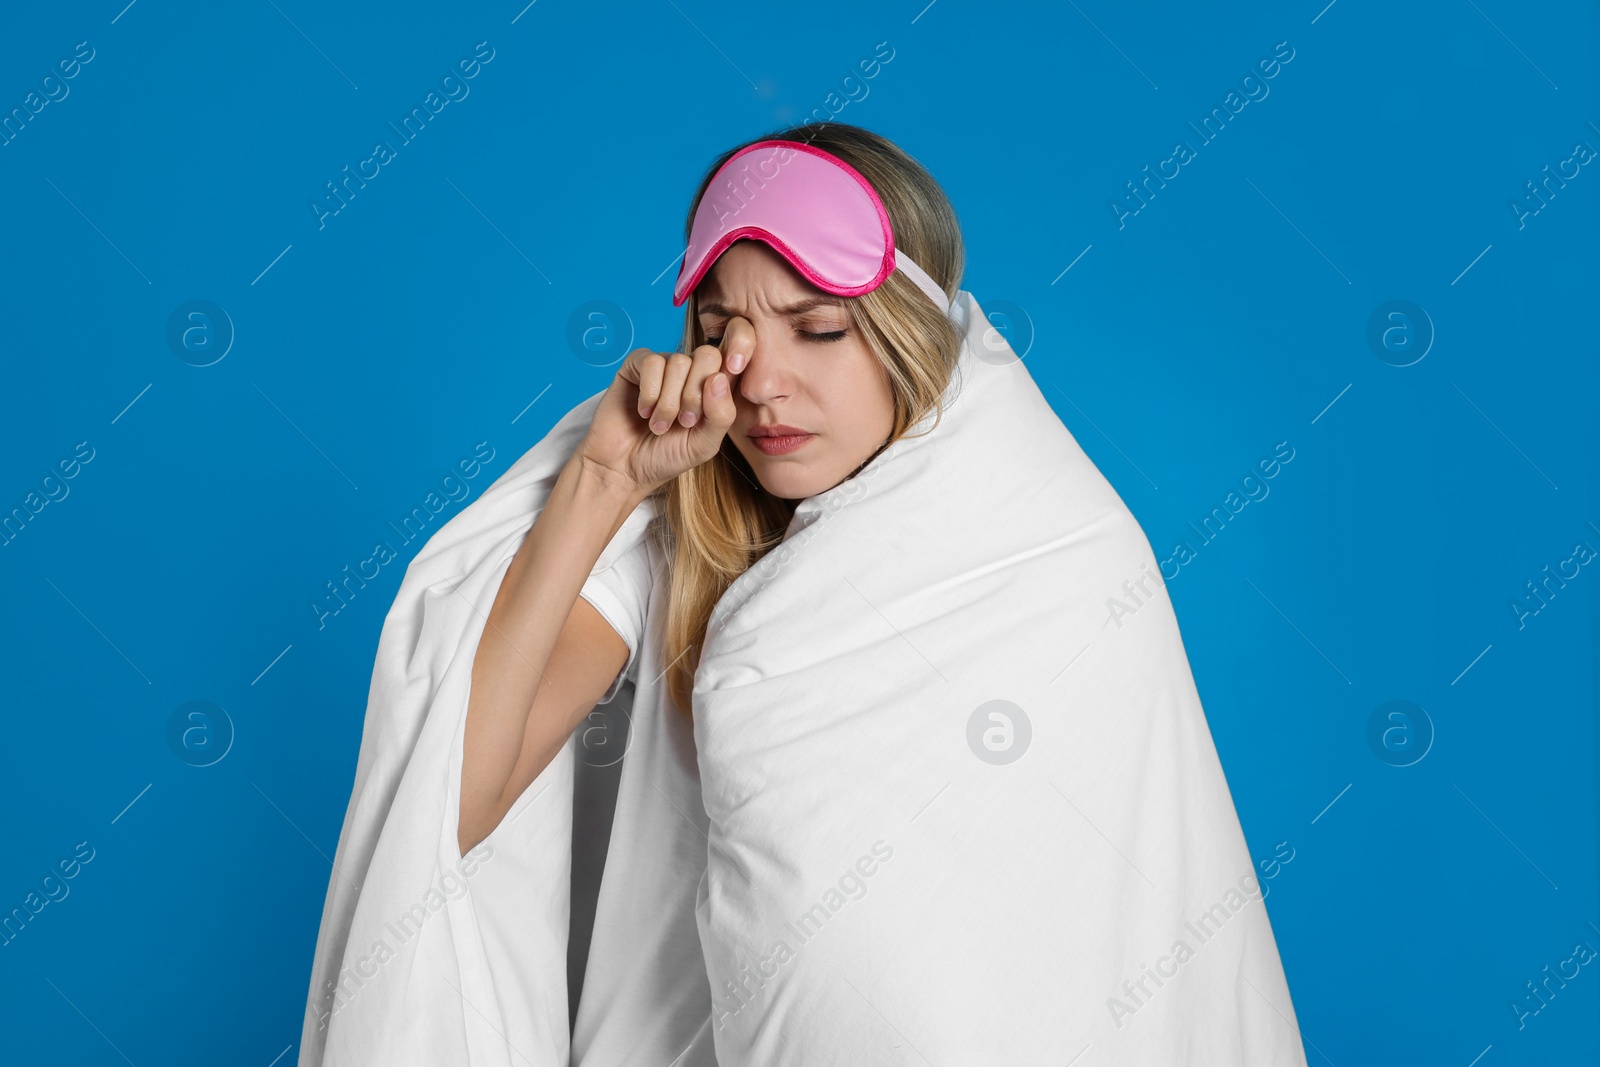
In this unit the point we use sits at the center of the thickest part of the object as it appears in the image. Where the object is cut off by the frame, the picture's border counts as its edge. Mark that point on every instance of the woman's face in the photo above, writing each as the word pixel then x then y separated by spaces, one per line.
pixel 810 374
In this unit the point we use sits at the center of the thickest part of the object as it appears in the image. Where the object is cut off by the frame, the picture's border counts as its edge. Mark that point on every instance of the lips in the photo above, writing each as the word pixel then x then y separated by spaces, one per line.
pixel 777 438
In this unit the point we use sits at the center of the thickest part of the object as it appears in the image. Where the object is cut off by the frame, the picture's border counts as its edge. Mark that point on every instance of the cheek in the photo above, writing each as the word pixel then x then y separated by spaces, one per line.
pixel 742 445
pixel 858 408
pixel 864 393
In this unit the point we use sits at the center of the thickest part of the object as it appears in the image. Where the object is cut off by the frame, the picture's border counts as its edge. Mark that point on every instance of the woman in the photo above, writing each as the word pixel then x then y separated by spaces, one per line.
pixel 894 792
pixel 788 391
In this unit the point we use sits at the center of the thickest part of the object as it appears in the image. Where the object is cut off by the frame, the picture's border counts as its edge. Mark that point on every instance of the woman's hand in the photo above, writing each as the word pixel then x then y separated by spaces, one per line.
pixel 667 412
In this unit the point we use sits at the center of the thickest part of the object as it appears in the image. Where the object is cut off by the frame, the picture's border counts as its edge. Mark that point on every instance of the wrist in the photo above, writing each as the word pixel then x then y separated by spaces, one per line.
pixel 596 480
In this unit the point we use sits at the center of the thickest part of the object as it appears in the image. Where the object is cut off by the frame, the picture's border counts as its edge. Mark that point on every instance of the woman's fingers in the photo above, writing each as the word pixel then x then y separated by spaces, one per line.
pixel 719 408
pixel 677 387
pixel 648 370
pixel 670 401
pixel 730 355
pixel 707 361
pixel 669 384
pixel 738 343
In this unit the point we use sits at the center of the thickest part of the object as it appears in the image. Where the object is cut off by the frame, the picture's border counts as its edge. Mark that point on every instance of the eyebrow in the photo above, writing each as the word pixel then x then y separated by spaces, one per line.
pixel 798 307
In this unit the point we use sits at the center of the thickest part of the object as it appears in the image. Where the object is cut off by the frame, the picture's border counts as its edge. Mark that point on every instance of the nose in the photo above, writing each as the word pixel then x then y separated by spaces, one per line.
pixel 768 374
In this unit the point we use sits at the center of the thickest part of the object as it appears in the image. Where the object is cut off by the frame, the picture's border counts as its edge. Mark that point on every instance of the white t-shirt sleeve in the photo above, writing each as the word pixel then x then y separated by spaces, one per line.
pixel 619 589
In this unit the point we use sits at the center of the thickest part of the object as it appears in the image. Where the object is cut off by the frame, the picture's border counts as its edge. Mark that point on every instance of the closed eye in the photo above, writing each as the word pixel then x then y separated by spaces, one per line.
pixel 822 338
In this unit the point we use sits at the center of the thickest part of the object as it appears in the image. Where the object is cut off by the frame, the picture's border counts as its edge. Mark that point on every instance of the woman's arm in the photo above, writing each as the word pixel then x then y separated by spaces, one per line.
pixel 546 654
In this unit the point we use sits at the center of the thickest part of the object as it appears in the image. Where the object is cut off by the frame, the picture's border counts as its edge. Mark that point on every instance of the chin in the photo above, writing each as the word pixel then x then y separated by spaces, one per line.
pixel 787 482
pixel 789 478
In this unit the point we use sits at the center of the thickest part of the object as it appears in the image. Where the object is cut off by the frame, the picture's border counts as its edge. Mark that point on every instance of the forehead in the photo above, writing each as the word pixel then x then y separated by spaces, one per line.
pixel 751 268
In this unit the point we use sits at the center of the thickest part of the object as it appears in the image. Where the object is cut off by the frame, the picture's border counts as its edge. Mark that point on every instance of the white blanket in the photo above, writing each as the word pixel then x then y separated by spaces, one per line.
pixel 937 805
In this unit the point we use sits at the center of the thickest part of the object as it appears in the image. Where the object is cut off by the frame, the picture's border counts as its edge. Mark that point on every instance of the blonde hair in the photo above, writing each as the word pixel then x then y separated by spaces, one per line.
pixel 718 520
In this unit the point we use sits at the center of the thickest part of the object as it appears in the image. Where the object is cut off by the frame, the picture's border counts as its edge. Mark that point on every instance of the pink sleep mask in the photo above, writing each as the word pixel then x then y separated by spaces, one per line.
pixel 813 208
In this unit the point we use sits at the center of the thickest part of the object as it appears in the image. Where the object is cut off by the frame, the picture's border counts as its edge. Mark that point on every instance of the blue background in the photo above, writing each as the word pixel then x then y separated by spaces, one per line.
pixel 371 354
